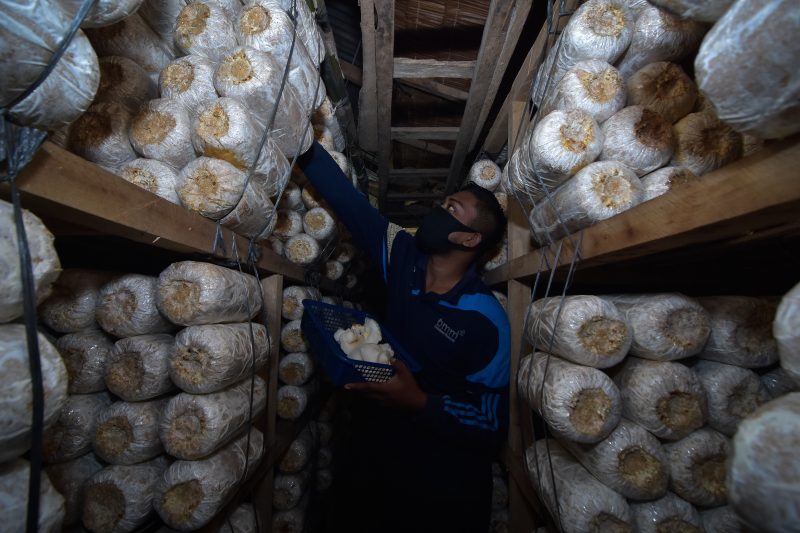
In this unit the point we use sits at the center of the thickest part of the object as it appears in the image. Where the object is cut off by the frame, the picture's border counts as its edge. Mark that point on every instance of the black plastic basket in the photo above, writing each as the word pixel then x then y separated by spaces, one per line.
pixel 321 321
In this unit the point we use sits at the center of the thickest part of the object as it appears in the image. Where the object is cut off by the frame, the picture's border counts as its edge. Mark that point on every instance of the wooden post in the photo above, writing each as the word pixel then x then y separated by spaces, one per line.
pixel 384 76
pixel 272 288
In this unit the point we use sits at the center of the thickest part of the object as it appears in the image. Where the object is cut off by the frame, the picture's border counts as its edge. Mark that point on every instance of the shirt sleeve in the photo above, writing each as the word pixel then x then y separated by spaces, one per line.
pixel 371 231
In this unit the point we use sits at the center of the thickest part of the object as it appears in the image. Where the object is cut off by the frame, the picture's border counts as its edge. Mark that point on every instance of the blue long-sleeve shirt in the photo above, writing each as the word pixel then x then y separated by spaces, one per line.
pixel 460 339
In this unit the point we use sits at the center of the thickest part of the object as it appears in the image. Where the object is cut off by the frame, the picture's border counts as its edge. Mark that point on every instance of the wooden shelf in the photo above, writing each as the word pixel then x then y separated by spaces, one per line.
pixel 756 195
pixel 62 186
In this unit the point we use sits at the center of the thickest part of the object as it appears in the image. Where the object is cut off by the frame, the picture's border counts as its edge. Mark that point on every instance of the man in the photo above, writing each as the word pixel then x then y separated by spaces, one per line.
pixel 419 457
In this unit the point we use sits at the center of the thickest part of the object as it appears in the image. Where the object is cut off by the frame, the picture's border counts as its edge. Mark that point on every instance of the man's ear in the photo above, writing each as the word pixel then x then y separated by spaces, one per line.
pixel 474 240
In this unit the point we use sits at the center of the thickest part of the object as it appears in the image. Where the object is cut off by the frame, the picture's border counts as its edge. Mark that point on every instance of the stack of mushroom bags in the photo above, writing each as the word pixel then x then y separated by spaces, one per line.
pixel 619 119
pixel 186 93
pixel 308 233
pixel 641 395
pixel 163 392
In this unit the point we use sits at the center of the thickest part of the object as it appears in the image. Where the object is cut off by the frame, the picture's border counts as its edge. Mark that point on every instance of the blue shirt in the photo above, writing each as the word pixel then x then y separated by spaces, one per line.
pixel 460 339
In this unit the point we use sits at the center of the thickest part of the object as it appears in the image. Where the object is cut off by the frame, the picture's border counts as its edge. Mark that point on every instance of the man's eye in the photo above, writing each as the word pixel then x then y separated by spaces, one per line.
pixel 451 209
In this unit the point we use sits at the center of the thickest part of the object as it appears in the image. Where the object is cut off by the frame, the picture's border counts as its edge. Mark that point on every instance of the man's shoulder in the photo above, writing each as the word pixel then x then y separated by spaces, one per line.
pixel 476 296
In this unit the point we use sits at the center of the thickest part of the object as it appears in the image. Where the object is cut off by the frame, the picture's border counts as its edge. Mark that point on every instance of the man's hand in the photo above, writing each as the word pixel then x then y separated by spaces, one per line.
pixel 400 392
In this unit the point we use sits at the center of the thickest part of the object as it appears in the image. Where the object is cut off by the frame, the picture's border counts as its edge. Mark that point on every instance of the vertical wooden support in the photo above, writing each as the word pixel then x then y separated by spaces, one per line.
pixel 367 99
pixel 272 288
pixel 384 75
pixel 513 30
pixel 491 46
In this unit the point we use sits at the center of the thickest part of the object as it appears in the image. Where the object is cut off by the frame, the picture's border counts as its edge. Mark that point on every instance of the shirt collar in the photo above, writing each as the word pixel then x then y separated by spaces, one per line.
pixel 453 294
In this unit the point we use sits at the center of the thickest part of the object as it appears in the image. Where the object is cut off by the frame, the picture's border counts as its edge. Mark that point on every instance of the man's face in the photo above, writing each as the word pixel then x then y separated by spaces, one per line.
pixel 464 207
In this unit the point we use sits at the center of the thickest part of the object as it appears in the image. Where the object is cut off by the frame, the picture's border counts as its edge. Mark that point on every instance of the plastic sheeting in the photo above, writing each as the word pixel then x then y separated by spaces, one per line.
pixel 597 192
pixel 664 88
pixel 72 303
pixel 101 135
pixel 190 81
pixel 764 470
pixel 44 261
pixel 153 176
pixel 16 398
pixel 665 398
pixel 660 36
pixel 127 432
pixel 704 143
pixel 205 29
pixel 786 329
pixel 664 180
pixel 126 306
pixel 137 368
pixel 591 86
pixel 254 77
pixel 190 493
pixel 14 479
pixel 666 326
pixel 119 498
pixel 288 489
pixel 194 293
pixel 70 436
pixel 30 32
pixel 485 173
pixel 194 425
pixel 669 513
pixel 584 329
pixel 746 68
pixel 211 357
pixel 578 402
pixel 733 393
pixel 638 138
pixel 599 29
pixel 299 453
pixel 698 467
pixel 162 130
pixel 778 382
pixel 69 479
pixel 85 355
pixel 741 331
pixel 296 368
pixel 577 501
pixel 630 460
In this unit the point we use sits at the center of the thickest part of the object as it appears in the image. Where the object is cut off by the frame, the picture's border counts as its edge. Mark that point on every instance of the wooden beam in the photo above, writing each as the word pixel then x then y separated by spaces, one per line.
pixel 419 172
pixel 491 46
pixel 436 88
pixel 405 67
pixel 433 133
pixel 368 96
pixel 351 72
pixel 519 91
pixel 514 25
pixel 428 147
pixel 384 63
pixel 749 195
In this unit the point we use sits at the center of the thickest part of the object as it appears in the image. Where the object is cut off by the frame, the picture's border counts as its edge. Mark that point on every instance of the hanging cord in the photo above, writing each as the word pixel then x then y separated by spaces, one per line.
pixel 21 145
pixel 253 349
pixel 545 262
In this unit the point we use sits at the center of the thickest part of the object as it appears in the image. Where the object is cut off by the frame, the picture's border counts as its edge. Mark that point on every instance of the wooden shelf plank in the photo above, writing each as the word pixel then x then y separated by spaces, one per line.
pixel 418 172
pixel 62 185
pixel 750 195
pixel 431 68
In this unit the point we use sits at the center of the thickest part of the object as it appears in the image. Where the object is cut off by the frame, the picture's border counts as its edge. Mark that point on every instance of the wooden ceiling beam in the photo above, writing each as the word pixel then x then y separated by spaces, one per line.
pixel 432 133
pixel 437 149
pixel 501 14
pixel 405 67
pixel 419 172
pixel 436 88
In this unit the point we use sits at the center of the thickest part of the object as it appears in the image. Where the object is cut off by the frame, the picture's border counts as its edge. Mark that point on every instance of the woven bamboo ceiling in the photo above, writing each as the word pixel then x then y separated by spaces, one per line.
pixel 427 79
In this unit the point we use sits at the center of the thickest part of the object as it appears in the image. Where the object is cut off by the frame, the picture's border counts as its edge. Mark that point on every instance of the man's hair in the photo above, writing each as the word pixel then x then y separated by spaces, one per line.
pixel 490 221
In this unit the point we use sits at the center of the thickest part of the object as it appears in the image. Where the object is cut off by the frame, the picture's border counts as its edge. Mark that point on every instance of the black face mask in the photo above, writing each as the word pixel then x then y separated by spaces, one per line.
pixel 431 237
